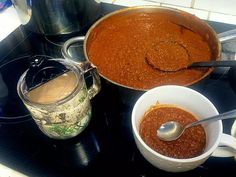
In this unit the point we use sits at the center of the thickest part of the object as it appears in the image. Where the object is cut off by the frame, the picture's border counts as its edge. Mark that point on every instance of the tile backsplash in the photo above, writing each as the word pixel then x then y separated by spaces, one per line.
pixel 214 10
pixel 184 3
pixel 134 2
pixel 220 6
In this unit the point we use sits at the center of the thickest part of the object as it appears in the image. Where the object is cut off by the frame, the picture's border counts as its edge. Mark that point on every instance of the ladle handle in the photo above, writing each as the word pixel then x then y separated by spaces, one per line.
pixel 226 115
pixel 214 64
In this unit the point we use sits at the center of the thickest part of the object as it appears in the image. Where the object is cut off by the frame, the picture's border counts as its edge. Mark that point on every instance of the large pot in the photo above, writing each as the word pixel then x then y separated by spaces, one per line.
pixel 181 18
pixel 53 17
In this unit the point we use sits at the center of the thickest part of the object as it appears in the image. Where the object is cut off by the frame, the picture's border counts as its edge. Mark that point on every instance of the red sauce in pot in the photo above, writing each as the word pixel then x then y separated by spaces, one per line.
pixel 190 144
pixel 168 56
pixel 120 45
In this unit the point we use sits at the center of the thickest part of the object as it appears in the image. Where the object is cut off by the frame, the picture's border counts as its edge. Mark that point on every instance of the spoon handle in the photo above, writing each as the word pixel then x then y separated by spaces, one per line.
pixel 227 115
pixel 213 64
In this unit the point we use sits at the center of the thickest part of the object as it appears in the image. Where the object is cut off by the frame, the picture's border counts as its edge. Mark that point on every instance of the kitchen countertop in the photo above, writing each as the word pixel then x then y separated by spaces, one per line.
pixel 106 147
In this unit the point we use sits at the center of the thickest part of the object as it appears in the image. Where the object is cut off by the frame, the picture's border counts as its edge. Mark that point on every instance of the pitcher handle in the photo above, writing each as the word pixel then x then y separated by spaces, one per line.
pixel 68 43
pixel 84 66
pixel 96 86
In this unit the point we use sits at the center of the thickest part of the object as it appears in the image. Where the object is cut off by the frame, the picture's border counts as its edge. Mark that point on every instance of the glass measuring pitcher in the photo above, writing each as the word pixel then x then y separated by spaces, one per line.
pixel 56 95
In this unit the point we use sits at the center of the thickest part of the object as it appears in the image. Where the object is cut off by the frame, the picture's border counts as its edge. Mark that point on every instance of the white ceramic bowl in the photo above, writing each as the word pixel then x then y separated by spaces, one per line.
pixel 189 100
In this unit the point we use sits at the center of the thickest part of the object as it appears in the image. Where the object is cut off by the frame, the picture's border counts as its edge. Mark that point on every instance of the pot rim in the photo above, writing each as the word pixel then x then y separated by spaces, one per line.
pixel 150 7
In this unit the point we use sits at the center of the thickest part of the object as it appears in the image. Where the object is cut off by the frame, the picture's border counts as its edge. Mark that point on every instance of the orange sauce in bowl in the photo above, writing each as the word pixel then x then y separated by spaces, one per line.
pixel 191 144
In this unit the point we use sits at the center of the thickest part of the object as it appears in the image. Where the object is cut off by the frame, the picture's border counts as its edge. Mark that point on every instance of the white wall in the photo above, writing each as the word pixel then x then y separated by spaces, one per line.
pixel 214 10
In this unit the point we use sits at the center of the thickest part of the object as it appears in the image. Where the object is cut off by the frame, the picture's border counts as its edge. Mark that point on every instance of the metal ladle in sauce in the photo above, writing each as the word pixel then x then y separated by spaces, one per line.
pixel 172 130
pixel 178 58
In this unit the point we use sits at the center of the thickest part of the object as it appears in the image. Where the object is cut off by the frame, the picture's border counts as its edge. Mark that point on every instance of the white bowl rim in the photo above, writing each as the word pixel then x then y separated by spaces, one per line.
pixel 188 160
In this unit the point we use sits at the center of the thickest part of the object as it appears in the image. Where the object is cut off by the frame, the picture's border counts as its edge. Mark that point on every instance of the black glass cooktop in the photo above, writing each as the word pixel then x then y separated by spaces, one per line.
pixel 106 147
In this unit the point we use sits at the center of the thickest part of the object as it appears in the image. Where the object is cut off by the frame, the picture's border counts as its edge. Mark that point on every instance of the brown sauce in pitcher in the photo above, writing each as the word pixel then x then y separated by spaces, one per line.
pixel 191 144
pixel 120 45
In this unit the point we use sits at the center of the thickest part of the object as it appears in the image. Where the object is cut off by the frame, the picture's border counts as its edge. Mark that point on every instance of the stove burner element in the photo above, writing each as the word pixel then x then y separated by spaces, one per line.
pixel 11 107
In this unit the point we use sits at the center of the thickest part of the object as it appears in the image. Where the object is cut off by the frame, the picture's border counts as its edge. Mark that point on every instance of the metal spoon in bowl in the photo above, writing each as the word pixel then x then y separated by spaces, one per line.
pixel 172 130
